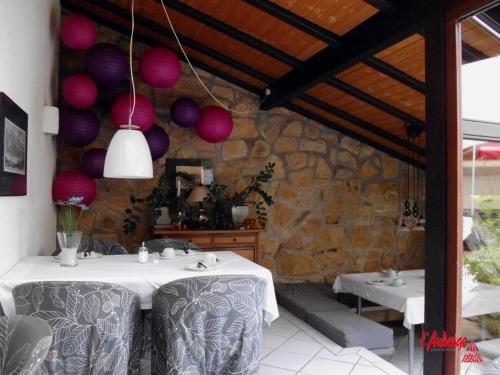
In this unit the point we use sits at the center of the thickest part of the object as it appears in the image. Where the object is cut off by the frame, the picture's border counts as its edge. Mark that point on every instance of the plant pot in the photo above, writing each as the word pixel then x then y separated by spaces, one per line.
pixel 239 214
pixel 164 218
pixel 69 243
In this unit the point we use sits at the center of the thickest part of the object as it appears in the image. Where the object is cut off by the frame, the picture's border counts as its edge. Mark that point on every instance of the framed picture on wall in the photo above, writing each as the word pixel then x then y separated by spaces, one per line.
pixel 13 148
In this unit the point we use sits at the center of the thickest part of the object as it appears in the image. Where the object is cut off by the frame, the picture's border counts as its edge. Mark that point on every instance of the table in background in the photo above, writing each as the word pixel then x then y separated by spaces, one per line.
pixel 124 270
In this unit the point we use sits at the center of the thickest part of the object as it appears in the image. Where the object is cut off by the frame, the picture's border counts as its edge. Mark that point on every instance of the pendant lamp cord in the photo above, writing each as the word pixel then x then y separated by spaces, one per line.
pixel 131 112
pixel 196 73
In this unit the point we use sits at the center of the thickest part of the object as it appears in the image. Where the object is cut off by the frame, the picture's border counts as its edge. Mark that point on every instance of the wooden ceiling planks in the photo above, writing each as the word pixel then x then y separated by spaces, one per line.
pixel 480 39
pixel 337 16
pixel 385 89
pixel 407 55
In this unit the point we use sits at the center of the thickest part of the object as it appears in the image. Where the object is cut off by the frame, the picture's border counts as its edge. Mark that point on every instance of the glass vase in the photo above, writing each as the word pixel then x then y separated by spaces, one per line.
pixel 69 243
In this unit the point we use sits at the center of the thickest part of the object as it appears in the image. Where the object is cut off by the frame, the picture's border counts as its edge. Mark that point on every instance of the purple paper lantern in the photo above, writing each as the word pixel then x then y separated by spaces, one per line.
pixel 185 112
pixel 93 162
pixel 158 141
pixel 160 67
pixel 78 32
pixel 108 94
pixel 79 91
pixel 78 128
pixel 74 184
pixel 106 63
pixel 144 113
pixel 215 124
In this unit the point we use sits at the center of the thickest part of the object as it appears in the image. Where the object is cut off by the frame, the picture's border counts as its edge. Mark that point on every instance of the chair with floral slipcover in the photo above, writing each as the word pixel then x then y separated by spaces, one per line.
pixel 96 326
pixel 208 325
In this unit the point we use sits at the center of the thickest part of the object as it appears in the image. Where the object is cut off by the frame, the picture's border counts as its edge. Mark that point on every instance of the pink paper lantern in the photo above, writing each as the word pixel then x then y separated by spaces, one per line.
pixel 144 113
pixel 160 67
pixel 79 91
pixel 215 124
pixel 78 32
pixel 73 184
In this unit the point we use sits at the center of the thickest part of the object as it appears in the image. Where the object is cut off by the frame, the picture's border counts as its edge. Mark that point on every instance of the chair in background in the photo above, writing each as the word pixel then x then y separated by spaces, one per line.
pixel 96 326
pixel 24 344
pixel 104 247
pixel 208 325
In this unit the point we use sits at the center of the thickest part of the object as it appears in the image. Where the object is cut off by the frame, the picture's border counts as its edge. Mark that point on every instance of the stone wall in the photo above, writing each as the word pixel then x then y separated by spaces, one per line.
pixel 337 201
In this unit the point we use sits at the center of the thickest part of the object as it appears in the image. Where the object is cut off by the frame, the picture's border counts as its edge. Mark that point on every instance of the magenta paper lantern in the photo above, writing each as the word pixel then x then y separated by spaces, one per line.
pixel 79 91
pixel 108 94
pixel 215 124
pixel 160 67
pixel 78 32
pixel 73 184
pixel 144 113
pixel 106 63
pixel 158 141
pixel 78 128
pixel 93 162
pixel 185 112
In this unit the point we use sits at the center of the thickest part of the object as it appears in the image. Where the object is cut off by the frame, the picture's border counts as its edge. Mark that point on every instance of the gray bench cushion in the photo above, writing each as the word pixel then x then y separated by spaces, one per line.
pixel 302 304
pixel 348 329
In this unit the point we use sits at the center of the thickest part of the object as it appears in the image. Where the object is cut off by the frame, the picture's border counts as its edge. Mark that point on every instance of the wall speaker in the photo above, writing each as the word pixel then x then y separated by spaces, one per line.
pixel 50 123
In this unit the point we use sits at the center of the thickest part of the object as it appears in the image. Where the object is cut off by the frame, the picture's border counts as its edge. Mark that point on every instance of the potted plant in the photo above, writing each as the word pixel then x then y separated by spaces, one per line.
pixel 216 205
pixel 69 235
pixel 241 201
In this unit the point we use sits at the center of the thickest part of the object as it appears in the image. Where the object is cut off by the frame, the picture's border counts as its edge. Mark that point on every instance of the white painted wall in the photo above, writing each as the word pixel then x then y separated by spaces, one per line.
pixel 28 75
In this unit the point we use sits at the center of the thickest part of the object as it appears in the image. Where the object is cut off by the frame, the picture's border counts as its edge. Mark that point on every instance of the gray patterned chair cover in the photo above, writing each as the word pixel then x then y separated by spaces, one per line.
pixel 24 343
pixel 208 325
pixel 105 247
pixel 158 244
pixel 97 326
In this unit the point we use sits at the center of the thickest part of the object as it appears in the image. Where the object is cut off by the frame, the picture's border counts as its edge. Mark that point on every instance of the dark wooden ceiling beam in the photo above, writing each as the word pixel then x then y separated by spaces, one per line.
pixel 160 29
pixel 361 123
pixel 330 124
pixel 386 6
pixel 297 21
pixel 395 73
pixel 234 33
pixel 367 98
pixel 368 38
pixel 471 54
pixel 105 21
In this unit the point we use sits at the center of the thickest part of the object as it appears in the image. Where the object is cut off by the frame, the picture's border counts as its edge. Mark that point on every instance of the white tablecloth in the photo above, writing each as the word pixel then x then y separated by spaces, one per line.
pixel 124 270
pixel 409 299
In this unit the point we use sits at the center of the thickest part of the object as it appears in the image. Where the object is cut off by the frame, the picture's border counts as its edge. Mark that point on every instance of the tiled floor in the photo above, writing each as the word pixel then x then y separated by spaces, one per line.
pixel 290 346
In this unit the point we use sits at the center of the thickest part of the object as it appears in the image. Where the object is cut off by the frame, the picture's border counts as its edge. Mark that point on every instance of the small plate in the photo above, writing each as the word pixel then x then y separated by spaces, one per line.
pixel 167 258
pixel 181 253
pixel 397 285
pixel 194 267
pixel 377 282
pixel 90 256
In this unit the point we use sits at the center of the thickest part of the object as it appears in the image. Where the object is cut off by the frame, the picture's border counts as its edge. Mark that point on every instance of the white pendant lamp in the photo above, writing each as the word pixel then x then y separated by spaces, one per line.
pixel 128 154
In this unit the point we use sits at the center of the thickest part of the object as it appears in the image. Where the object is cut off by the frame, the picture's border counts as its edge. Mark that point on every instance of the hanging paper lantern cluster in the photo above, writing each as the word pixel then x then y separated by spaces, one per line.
pixel 78 32
pixel 79 91
pixel 144 112
pixel 93 162
pixel 73 184
pixel 78 128
pixel 158 141
pixel 106 63
pixel 108 94
pixel 185 112
pixel 215 124
pixel 160 67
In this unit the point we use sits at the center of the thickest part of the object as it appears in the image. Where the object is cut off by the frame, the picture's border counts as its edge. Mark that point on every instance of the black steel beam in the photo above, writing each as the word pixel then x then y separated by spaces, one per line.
pixel 297 21
pixel 330 124
pixel 471 54
pixel 373 35
pixel 395 73
pixel 77 8
pixel 386 6
pixel 160 29
pixel 234 33
pixel 361 123
pixel 367 98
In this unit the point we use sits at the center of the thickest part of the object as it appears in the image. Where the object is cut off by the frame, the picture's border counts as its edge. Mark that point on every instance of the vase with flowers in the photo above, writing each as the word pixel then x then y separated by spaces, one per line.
pixel 69 235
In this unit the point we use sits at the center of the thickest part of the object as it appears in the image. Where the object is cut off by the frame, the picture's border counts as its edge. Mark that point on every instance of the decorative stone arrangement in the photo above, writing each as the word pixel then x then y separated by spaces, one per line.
pixel 337 201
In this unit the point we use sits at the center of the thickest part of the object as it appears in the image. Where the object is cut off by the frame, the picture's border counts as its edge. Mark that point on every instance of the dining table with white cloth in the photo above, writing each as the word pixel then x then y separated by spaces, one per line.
pixel 478 299
pixel 125 270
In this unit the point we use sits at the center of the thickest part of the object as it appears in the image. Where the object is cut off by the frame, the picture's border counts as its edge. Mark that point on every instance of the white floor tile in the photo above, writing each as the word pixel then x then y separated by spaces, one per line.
pixel 272 341
pixel 369 356
pixel 268 370
pixel 294 345
pixel 265 351
pixel 286 360
pixel 326 354
pixel 301 335
pixel 366 370
pixel 389 368
pixel 285 330
pixel 319 366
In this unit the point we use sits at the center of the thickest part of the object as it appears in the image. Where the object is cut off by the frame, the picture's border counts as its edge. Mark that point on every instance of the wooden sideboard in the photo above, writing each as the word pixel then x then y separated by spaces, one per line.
pixel 242 242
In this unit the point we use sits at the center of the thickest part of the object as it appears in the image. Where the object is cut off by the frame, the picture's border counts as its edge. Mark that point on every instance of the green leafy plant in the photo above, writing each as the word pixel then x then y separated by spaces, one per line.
pixel 69 214
pixel 217 205
pixel 255 189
